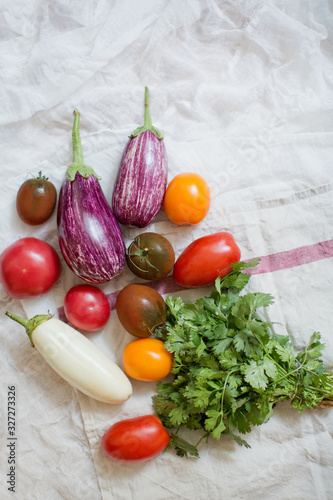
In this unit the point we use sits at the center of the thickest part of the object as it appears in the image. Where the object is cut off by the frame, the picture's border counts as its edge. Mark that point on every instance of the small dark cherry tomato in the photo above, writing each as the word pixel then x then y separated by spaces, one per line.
pixel 205 259
pixel 86 307
pixel 135 439
pixel 140 309
pixel 150 256
pixel 36 200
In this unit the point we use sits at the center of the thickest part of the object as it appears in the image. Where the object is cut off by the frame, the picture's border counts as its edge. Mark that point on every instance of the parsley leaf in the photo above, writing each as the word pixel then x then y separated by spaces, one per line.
pixel 183 447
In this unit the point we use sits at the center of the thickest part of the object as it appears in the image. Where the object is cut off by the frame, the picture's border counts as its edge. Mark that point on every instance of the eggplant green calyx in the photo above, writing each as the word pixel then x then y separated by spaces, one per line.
pixel 147 121
pixel 78 163
pixel 30 324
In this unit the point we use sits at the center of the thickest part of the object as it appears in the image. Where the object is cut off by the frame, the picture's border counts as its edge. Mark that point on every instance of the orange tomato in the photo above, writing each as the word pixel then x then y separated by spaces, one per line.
pixel 187 199
pixel 146 359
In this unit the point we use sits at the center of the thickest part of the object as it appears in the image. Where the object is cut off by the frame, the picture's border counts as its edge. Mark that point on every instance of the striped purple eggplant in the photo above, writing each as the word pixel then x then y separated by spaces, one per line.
pixel 90 237
pixel 142 176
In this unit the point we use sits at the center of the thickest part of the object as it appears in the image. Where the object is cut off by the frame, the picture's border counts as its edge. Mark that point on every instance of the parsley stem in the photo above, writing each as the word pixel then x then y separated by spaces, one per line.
pixel 323 391
pixel 287 375
pixel 270 357
pixel 206 435
pixel 224 388
pixel 225 385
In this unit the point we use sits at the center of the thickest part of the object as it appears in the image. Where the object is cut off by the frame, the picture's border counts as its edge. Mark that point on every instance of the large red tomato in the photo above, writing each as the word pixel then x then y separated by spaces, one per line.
pixel 135 439
pixel 86 307
pixel 205 259
pixel 28 268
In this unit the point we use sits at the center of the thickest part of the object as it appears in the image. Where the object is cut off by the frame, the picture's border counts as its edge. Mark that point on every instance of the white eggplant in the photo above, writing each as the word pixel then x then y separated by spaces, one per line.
pixel 76 359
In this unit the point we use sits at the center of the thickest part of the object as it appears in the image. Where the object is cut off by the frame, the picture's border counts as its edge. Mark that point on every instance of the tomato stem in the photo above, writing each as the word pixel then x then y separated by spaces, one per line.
pixel 30 324
pixel 147 125
pixel 142 253
pixel 42 177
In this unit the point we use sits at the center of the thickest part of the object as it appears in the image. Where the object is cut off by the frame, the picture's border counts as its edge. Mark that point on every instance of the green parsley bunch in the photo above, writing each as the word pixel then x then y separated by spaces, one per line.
pixel 229 368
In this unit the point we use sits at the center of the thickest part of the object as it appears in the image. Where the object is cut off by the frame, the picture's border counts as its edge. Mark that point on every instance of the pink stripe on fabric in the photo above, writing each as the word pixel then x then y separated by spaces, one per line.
pixel 293 258
pixel 268 263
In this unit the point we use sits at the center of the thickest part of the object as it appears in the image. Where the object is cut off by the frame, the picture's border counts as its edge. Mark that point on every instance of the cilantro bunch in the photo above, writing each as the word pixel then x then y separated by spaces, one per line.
pixel 230 369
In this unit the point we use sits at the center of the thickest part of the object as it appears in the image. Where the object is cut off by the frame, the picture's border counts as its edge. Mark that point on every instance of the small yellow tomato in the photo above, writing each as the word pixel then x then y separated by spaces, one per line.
pixel 146 359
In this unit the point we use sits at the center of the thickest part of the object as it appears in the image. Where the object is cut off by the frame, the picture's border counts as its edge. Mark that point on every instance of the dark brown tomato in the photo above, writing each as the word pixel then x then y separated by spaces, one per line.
pixel 140 309
pixel 36 200
pixel 150 256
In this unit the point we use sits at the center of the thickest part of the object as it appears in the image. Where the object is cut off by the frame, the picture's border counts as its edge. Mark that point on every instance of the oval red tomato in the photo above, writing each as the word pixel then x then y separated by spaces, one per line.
pixel 28 268
pixel 135 439
pixel 147 360
pixel 187 199
pixel 87 307
pixel 150 256
pixel 36 200
pixel 205 259
pixel 140 309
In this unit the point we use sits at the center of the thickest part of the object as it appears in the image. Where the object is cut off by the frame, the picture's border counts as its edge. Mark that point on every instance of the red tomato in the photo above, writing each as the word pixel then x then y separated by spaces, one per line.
pixel 135 439
pixel 28 268
pixel 147 360
pixel 205 259
pixel 187 199
pixel 87 307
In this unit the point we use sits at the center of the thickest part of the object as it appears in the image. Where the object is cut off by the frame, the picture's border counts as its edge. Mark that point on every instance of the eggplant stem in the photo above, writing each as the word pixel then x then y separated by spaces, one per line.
pixel 30 324
pixel 77 146
pixel 147 121
pixel 78 163
pixel 147 125
pixel 18 319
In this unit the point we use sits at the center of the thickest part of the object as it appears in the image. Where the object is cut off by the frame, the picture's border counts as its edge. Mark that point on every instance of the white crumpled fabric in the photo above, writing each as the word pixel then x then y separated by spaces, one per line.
pixel 243 92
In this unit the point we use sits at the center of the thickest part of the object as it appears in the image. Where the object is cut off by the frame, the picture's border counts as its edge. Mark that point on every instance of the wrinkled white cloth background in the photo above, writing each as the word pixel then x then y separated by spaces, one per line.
pixel 243 92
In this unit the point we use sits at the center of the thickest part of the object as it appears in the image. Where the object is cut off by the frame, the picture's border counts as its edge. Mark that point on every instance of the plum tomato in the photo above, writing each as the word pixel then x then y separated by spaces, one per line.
pixel 140 309
pixel 150 256
pixel 205 259
pixel 29 267
pixel 36 200
pixel 135 439
pixel 87 307
pixel 147 360
pixel 187 199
